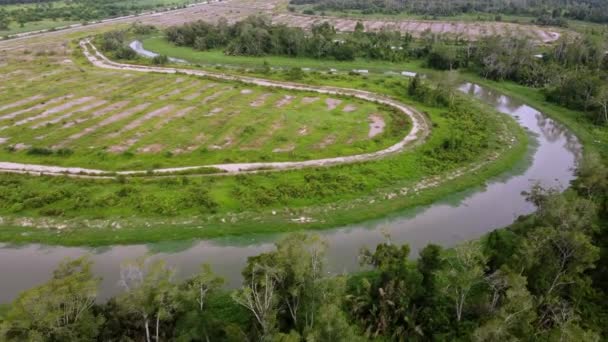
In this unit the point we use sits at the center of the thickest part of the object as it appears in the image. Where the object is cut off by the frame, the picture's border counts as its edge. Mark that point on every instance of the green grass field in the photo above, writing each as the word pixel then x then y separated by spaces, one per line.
pixel 46 24
pixel 217 57
pixel 119 121
pixel 15 28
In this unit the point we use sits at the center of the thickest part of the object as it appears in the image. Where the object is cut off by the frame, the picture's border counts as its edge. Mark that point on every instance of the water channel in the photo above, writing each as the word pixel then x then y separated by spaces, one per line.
pixel 460 217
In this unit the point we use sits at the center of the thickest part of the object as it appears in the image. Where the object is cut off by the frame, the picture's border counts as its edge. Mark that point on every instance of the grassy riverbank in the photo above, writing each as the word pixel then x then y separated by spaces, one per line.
pixel 160 45
pixel 351 209
pixel 594 138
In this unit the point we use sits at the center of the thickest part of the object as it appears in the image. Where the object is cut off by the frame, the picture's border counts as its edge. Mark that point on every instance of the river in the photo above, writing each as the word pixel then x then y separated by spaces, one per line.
pixel 460 217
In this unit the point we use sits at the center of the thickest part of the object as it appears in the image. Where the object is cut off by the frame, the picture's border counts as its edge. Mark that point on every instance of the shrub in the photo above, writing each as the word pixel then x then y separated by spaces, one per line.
pixel 125 52
pixel 295 74
pixel 160 60
pixel 64 152
pixel 40 151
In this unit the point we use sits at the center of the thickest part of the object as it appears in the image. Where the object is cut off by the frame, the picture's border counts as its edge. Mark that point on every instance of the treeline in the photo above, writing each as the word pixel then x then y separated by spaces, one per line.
pixel 13 2
pixel 81 11
pixel 543 279
pixel 589 10
pixel 572 73
pixel 256 36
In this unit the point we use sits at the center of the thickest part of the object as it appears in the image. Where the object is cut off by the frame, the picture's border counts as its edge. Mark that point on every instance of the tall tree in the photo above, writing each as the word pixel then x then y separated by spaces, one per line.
pixel 149 292
pixel 259 296
pixel 601 99
pixel 514 318
pixel 463 272
pixel 59 310
pixel 4 19
pixel 203 283
pixel 194 319
pixel 384 306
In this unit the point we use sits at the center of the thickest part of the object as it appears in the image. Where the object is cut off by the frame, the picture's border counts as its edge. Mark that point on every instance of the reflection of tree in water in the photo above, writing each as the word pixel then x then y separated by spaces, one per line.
pixel 553 131
pixel 496 99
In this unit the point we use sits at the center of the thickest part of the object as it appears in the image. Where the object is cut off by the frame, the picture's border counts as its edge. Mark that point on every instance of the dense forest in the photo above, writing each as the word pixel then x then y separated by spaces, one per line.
pixel 546 10
pixel 542 279
pixel 573 72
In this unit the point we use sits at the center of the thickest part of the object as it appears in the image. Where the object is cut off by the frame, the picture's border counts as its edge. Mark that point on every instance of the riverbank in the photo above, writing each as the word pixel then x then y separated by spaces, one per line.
pixel 460 217
pixel 110 231
pixel 594 138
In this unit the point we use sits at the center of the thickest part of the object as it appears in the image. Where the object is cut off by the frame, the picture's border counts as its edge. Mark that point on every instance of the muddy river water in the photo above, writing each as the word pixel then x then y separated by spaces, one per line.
pixel 460 217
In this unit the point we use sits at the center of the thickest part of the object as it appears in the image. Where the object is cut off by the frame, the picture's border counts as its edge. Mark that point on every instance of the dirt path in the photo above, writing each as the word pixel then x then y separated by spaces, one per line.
pixel 419 131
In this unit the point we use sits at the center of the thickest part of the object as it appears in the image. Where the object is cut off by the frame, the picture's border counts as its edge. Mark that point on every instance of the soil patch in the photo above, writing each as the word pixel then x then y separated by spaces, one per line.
pixel 68 114
pixel 332 103
pixel 376 125
pixel 214 96
pixel 284 101
pixel 349 108
pixel 141 120
pixel 36 107
pixel 154 148
pixel 98 113
pixel 227 142
pixel 55 110
pixel 108 121
pixel 309 100
pixel 328 140
pixel 260 100
pixel 287 148
pixel 214 111
pixel 20 102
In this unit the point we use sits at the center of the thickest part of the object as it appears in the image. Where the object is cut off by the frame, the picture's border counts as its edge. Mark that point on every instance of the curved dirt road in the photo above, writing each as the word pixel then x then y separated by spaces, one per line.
pixel 419 131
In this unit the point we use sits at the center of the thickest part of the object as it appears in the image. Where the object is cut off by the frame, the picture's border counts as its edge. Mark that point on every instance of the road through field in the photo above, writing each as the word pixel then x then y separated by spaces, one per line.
pixel 419 130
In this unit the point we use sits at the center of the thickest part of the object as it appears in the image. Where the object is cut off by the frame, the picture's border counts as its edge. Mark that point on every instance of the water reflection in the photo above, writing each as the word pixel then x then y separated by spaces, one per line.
pixel 459 217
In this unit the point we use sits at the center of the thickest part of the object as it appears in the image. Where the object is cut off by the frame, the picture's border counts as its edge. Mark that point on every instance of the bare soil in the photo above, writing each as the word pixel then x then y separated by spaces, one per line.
pixel 332 103
pixel 376 125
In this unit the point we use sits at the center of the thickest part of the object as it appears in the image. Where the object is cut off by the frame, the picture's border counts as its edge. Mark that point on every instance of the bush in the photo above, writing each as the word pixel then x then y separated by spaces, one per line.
pixel 160 60
pixel 40 151
pixel 125 52
pixel 295 74
pixel 64 152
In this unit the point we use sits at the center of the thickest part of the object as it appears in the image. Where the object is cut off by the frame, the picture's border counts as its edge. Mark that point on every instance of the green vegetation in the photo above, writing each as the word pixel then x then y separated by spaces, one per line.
pixel 552 12
pixel 218 57
pixel 154 121
pixel 163 201
pixel 23 16
pixel 542 279
pixel 464 133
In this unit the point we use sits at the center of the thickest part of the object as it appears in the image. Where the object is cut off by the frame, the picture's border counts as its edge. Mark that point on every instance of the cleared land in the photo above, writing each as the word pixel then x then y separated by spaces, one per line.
pixel 126 120
pixel 236 10
pixel 469 30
